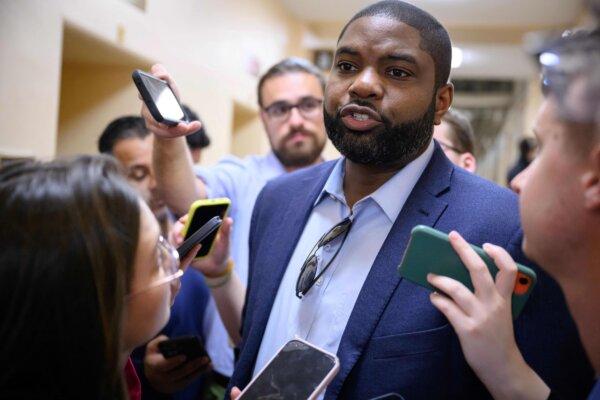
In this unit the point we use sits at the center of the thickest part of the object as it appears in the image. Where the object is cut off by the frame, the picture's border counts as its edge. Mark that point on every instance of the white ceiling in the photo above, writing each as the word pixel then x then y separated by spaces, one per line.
pixel 454 13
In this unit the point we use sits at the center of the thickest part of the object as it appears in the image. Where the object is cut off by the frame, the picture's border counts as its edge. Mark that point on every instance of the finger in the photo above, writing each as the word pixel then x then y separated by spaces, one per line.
pixel 235 393
pixel 177 232
pixel 159 71
pixel 483 283
pixel 457 318
pixel 185 262
pixel 202 368
pixel 225 233
pixel 155 360
pixel 189 368
pixel 455 290
pixel 181 129
pixel 507 274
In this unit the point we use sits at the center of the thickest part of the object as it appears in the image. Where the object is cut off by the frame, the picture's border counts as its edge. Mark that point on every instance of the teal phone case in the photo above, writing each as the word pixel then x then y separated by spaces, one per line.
pixel 429 250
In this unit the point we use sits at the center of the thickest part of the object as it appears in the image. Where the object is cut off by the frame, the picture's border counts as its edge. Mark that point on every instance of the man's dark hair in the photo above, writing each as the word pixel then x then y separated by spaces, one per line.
pixel 288 66
pixel 198 139
pixel 462 134
pixel 435 40
pixel 121 128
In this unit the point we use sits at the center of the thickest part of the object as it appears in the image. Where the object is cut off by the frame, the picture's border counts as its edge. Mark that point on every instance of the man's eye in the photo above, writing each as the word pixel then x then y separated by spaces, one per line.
pixel 398 73
pixel 138 173
pixel 279 109
pixel 309 104
pixel 345 66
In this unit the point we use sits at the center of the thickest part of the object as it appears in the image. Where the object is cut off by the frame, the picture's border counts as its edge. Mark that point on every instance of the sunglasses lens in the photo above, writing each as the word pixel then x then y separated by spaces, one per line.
pixel 307 275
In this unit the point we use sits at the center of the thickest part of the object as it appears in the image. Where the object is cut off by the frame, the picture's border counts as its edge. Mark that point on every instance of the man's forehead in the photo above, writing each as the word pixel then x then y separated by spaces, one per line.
pixel 291 87
pixel 387 33
pixel 134 149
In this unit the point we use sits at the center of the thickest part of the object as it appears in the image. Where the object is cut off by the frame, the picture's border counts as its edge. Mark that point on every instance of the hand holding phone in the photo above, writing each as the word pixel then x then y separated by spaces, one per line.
pixel 174 373
pixel 167 131
pixel 299 370
pixel 201 211
pixel 190 346
pixel 430 251
pixel 159 98
pixel 197 237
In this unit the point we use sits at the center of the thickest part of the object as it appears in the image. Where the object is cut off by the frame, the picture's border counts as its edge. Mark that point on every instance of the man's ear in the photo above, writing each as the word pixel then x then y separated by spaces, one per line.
pixel 443 100
pixel 468 162
pixel 591 181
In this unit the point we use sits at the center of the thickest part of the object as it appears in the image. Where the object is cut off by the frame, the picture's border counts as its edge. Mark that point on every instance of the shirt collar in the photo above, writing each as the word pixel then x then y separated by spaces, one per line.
pixel 392 195
pixel 273 164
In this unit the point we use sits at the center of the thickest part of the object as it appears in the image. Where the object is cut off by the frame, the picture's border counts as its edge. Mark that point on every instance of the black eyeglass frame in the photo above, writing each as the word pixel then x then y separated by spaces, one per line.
pixel 346 224
pixel 289 107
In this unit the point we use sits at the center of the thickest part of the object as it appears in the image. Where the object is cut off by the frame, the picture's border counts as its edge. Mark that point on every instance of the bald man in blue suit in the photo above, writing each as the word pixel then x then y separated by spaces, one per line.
pixel 349 221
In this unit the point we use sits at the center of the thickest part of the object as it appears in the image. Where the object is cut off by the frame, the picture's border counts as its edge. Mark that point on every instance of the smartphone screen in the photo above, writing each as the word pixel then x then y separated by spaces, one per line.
pixel 295 373
pixel 163 97
pixel 201 216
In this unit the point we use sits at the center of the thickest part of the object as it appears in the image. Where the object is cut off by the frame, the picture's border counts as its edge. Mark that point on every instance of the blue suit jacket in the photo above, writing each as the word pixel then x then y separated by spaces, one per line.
pixel 395 340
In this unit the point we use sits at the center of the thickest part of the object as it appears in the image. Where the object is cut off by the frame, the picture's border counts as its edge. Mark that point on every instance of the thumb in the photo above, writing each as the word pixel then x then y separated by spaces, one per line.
pixel 235 393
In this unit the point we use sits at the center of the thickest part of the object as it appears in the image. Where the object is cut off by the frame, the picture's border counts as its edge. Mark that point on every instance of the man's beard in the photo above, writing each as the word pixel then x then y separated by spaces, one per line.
pixel 392 146
pixel 292 157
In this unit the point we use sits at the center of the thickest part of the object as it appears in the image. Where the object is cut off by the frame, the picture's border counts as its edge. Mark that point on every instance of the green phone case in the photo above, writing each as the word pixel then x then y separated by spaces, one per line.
pixel 429 250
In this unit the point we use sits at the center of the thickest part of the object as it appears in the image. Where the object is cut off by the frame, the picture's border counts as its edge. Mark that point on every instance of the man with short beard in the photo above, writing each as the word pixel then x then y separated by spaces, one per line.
pixel 325 242
pixel 290 97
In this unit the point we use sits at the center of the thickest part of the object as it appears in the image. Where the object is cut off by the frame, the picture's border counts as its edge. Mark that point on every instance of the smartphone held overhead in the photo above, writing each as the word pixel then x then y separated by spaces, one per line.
pixel 430 251
pixel 159 98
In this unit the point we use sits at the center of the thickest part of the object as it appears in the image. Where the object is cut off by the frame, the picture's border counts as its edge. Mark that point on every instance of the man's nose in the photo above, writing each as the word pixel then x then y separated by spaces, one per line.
pixel 367 85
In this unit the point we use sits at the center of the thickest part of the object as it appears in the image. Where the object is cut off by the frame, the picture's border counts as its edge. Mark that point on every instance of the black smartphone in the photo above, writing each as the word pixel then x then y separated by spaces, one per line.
pixel 201 211
pixel 159 98
pixel 299 370
pixel 197 237
pixel 190 346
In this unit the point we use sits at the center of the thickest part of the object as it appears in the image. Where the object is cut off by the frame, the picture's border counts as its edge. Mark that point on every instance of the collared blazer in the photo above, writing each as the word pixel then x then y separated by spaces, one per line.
pixel 395 340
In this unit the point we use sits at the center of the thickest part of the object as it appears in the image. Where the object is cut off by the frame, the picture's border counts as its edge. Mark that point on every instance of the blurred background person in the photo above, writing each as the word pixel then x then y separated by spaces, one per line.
pixel 456 137
pixel 527 149
pixel 130 142
pixel 198 140
pixel 85 278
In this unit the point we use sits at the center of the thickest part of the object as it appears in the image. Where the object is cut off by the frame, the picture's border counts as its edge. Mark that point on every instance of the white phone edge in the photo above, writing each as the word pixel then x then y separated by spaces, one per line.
pixel 322 386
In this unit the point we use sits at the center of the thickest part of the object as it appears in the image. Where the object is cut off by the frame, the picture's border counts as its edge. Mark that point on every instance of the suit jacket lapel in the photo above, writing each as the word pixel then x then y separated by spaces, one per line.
pixel 422 207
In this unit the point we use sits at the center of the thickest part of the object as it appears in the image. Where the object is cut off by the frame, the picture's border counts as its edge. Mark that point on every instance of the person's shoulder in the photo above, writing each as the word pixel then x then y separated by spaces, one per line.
pixel 300 178
pixel 471 185
pixel 480 205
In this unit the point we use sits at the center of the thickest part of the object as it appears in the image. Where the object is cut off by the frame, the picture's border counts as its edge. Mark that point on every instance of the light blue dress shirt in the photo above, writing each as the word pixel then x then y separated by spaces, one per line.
pixel 320 317
pixel 241 180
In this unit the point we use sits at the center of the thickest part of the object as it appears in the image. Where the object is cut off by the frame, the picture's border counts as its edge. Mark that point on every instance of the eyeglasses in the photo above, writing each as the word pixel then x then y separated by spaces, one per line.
pixel 308 273
pixel 168 266
pixel 447 146
pixel 280 110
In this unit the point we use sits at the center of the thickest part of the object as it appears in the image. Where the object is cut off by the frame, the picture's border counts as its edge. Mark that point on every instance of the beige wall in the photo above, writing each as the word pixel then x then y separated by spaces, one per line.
pixel 208 46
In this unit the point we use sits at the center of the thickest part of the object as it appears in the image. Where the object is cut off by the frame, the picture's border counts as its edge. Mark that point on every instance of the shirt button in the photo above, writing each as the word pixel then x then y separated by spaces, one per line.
pixel 327 247
pixel 319 281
